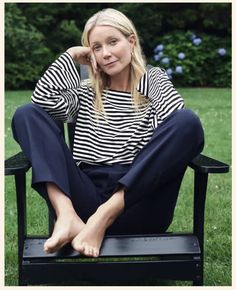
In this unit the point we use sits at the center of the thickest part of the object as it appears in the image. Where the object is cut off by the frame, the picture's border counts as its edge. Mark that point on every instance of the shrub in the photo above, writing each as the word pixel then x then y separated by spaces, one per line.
pixel 194 60
pixel 23 43
pixel 64 35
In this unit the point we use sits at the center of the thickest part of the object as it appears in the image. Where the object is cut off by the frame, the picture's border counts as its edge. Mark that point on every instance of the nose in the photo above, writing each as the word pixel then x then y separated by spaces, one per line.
pixel 106 52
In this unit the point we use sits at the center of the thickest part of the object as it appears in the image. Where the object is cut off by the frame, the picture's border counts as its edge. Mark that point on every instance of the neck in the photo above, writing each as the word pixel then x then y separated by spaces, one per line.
pixel 121 82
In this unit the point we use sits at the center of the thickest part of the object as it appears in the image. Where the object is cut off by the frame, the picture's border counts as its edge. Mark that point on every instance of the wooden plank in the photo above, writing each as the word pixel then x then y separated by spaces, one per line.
pixel 17 164
pixel 123 246
pixel 205 164
pixel 118 272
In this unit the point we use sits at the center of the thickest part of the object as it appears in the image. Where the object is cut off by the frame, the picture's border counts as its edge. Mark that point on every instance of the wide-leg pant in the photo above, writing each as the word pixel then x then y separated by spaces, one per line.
pixel 151 182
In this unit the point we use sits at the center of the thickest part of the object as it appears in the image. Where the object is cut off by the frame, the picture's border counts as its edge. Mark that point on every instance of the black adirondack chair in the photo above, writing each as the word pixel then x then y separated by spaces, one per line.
pixel 124 258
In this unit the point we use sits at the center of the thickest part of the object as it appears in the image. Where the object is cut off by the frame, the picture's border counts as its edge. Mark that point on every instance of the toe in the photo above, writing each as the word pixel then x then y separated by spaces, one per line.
pixel 88 251
pixel 79 247
pixel 95 252
pixel 47 245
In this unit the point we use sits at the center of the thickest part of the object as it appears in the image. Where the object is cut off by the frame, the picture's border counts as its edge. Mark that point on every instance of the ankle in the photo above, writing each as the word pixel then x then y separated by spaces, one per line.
pixel 66 214
pixel 111 209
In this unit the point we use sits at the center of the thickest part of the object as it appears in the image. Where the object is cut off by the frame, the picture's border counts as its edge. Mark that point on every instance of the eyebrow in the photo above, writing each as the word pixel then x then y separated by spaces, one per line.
pixel 93 43
pixel 107 39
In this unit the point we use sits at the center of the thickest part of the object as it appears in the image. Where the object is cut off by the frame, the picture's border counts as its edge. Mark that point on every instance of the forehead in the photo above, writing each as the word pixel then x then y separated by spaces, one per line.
pixel 102 32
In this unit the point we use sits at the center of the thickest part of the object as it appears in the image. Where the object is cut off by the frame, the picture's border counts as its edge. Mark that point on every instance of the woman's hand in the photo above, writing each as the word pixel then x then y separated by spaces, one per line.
pixel 83 55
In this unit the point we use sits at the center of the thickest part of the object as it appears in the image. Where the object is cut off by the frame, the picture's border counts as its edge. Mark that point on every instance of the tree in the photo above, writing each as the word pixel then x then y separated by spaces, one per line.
pixel 25 51
pixel 36 33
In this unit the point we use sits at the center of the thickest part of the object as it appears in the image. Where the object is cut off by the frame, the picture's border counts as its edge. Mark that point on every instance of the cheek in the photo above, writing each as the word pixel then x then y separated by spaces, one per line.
pixel 127 57
pixel 126 53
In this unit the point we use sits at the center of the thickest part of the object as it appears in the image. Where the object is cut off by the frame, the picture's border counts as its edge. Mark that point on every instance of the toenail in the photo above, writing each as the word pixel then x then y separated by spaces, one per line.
pixel 96 254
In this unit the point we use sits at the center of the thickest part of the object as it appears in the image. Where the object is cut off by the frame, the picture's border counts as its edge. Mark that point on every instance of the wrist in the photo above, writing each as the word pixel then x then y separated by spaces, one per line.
pixel 71 52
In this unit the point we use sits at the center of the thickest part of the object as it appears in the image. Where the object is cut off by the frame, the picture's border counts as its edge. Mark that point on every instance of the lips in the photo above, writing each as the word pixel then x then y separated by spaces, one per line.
pixel 110 63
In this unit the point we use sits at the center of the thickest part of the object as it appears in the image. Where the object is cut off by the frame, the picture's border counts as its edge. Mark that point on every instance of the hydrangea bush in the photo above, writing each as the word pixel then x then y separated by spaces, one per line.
pixel 194 60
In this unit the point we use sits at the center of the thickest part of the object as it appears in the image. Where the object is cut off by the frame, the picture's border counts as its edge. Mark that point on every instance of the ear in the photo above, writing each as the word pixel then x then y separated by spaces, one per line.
pixel 132 40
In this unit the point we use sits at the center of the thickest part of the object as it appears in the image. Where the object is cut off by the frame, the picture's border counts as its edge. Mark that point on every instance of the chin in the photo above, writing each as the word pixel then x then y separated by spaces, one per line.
pixel 115 71
pixel 111 72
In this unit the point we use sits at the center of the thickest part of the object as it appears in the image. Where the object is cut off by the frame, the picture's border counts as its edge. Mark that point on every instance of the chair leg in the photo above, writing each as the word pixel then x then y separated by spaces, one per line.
pixel 198 282
pixel 22 283
pixel 20 183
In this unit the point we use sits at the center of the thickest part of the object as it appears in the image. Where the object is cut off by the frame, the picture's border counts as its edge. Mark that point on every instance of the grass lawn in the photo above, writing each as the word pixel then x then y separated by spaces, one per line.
pixel 214 109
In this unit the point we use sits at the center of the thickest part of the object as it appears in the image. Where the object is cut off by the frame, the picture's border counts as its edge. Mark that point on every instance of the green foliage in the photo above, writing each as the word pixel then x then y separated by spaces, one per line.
pixel 67 21
pixel 216 18
pixel 65 35
pixel 26 52
pixel 36 33
pixel 203 60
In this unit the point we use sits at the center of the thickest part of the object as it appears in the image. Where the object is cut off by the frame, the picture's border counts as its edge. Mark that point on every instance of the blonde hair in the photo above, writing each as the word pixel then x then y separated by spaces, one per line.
pixel 99 81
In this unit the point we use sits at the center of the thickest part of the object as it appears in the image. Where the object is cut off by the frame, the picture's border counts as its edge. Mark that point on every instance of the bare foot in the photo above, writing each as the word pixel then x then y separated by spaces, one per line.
pixel 88 242
pixel 66 228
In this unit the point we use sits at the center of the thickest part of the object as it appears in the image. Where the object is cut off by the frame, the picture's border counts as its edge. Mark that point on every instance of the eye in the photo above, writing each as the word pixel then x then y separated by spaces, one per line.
pixel 113 41
pixel 96 47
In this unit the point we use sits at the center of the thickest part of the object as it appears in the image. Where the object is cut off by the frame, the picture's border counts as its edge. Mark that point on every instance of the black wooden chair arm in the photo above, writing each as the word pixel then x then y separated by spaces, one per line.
pixel 17 164
pixel 205 164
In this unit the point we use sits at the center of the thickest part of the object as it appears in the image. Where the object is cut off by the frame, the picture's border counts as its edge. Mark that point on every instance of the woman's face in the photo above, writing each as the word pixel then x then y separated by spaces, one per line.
pixel 111 49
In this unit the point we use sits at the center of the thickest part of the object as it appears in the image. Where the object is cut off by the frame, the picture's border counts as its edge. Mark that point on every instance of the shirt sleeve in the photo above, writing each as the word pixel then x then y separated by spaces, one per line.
pixel 57 91
pixel 156 85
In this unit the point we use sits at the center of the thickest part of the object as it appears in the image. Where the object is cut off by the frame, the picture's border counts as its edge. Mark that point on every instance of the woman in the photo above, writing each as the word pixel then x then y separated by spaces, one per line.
pixel 133 139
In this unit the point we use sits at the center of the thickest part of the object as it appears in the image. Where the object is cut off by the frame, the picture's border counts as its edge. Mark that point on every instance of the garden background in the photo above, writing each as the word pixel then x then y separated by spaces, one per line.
pixel 192 41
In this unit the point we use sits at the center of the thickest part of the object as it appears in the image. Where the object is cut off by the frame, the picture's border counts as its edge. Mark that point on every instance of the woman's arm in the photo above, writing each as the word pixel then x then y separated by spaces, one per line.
pixel 57 91
pixel 156 85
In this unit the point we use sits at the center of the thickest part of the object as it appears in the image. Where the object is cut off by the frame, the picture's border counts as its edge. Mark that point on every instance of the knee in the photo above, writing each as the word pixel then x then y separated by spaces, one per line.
pixel 189 124
pixel 24 112
pixel 22 117
pixel 184 116
pixel 188 121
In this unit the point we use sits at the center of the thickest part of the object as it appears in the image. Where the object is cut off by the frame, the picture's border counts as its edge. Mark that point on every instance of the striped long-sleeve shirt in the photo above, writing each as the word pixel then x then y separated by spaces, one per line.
pixel 119 134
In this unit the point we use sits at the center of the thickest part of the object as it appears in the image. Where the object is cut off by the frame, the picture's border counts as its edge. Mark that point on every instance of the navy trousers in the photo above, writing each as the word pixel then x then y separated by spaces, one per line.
pixel 151 182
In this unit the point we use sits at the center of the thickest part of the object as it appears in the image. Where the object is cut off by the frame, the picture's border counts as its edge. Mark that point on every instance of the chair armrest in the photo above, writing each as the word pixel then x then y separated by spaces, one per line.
pixel 205 164
pixel 17 164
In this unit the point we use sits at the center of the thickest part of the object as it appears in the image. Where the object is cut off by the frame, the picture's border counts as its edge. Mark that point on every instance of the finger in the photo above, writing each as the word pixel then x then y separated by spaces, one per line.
pixel 93 63
pixel 88 60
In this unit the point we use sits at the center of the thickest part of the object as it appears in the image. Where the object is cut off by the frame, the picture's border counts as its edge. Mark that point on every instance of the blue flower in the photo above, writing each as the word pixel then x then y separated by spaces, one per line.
pixel 165 60
pixel 157 57
pixel 197 41
pixel 169 71
pixel 181 55
pixel 222 51
pixel 193 36
pixel 159 47
pixel 179 69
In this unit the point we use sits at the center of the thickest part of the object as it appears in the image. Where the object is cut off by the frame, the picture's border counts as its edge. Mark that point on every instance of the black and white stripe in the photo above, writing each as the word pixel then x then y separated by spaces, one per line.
pixel 156 85
pixel 117 136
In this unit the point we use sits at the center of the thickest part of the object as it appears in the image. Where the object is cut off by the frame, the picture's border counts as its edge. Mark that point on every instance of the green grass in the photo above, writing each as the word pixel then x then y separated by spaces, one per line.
pixel 214 109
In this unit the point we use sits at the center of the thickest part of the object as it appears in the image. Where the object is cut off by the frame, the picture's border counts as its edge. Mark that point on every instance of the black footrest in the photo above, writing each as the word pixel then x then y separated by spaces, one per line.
pixel 123 246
